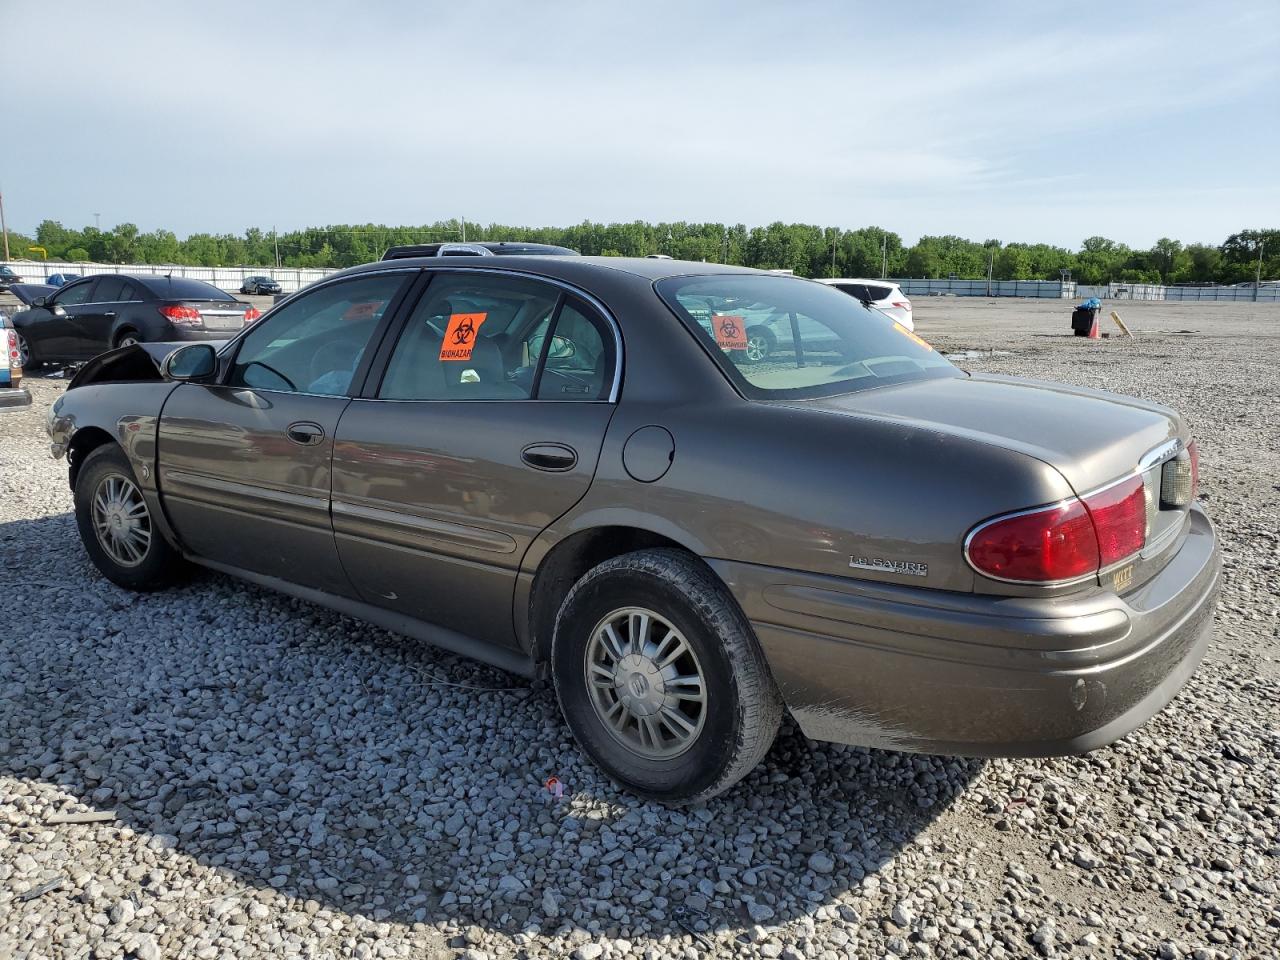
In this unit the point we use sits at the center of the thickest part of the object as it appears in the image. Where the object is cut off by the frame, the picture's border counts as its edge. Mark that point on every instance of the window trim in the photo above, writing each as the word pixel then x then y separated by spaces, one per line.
pixel 381 362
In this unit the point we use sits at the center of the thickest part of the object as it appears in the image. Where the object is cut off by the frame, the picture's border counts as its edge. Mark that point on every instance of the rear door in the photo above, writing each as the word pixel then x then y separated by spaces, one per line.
pixel 95 318
pixel 245 464
pixel 484 428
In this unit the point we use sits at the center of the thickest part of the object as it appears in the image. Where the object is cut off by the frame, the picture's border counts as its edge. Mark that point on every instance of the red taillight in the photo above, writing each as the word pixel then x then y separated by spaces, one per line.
pixel 902 304
pixel 1073 539
pixel 181 313
pixel 1119 520
pixel 1057 543
pixel 252 314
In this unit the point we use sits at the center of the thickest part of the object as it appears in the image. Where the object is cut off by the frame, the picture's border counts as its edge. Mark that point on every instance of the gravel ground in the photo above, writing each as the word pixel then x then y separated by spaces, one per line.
pixel 218 771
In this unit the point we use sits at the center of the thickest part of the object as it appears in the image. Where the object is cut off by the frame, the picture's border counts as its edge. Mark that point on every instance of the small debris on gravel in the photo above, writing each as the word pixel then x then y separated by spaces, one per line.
pixel 221 772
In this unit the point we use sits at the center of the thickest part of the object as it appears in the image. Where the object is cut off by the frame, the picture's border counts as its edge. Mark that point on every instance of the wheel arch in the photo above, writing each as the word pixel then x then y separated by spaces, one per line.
pixel 83 442
pixel 571 557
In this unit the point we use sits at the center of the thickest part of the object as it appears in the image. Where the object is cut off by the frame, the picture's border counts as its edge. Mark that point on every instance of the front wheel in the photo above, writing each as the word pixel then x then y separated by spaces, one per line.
pixel 116 526
pixel 661 679
pixel 760 344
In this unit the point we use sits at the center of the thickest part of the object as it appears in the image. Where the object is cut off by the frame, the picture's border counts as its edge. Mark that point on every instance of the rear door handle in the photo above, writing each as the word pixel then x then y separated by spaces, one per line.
pixel 305 432
pixel 556 457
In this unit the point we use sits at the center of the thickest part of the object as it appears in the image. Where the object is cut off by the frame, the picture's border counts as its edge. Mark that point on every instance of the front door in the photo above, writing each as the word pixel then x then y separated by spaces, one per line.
pixel 245 464
pixel 54 334
pixel 467 447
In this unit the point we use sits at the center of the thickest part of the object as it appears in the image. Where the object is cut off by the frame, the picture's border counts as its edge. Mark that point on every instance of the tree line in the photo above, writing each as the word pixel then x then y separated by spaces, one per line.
pixel 808 249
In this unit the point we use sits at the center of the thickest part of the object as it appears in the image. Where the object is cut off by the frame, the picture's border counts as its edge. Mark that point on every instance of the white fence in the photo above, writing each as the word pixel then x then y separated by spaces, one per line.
pixel 982 288
pixel 1153 291
pixel 225 278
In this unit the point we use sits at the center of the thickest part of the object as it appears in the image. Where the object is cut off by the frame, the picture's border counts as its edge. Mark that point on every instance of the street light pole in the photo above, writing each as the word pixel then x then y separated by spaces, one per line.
pixel 884 256
pixel 97 222
pixel 834 240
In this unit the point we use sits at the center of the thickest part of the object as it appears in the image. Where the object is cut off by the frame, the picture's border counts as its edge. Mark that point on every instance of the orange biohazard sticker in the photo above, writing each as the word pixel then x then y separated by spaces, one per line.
pixel 363 311
pixel 460 335
pixel 911 335
pixel 731 332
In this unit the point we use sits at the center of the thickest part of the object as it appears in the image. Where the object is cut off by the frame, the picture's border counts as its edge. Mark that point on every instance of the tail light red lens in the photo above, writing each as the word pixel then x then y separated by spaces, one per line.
pixel 1063 542
pixel 902 304
pixel 181 313
pixel 1119 516
pixel 252 314
pixel 1057 543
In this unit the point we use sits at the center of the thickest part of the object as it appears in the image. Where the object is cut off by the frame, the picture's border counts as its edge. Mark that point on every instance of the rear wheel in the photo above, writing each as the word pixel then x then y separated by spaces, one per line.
pixel 26 356
pixel 661 679
pixel 126 338
pixel 760 344
pixel 116 526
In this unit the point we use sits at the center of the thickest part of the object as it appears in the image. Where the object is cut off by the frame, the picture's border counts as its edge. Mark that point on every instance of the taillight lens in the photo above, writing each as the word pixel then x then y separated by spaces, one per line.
pixel 902 304
pixel 1057 543
pixel 252 314
pixel 1180 477
pixel 1063 542
pixel 13 357
pixel 1119 516
pixel 181 313
pixel 1193 451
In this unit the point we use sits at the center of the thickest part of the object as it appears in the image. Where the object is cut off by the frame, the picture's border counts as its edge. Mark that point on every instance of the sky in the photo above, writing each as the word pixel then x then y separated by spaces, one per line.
pixel 1014 121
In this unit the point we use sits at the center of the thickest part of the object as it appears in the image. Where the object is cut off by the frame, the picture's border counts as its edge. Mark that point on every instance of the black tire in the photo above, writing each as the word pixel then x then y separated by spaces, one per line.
pixel 159 565
pixel 761 343
pixel 33 360
pixel 742 706
pixel 128 333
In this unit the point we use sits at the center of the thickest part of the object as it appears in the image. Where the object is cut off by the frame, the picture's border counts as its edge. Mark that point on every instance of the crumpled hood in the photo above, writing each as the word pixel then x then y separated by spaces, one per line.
pixel 136 362
pixel 1092 437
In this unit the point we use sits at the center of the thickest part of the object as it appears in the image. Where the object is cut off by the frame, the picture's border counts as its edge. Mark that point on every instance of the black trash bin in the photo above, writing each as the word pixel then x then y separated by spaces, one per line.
pixel 1083 318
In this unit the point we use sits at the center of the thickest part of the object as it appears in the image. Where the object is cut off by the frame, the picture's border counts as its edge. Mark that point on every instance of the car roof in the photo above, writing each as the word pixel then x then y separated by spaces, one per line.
pixel 566 268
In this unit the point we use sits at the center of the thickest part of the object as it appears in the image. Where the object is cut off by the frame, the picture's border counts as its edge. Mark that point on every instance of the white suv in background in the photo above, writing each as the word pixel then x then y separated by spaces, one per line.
pixel 882 295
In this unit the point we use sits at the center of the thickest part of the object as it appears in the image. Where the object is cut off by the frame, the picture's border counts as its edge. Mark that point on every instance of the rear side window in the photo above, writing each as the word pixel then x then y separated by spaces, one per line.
pixel 472 337
pixel 786 338
pixel 877 293
pixel 579 360
pixel 109 289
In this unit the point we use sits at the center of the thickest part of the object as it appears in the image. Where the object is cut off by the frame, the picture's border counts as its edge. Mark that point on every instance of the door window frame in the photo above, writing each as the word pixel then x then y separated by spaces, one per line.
pixel 381 360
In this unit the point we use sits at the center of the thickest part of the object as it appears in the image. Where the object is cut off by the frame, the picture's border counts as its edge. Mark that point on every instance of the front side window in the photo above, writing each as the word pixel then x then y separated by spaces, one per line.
pixel 806 339
pixel 472 336
pixel 74 293
pixel 314 344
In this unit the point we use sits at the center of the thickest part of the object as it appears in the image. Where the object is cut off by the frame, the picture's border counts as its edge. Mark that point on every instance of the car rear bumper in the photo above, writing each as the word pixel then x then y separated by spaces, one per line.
pixel 178 333
pixel 937 672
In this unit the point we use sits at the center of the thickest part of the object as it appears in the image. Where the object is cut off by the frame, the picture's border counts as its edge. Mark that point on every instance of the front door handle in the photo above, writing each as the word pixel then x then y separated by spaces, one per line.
pixel 305 432
pixel 556 457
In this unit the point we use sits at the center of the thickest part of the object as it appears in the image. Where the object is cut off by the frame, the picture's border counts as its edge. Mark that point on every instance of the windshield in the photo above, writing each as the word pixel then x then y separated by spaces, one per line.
pixel 782 337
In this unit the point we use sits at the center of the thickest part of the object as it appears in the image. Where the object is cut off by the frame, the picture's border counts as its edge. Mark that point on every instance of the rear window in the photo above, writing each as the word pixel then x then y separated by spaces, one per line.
pixel 878 293
pixel 184 288
pixel 786 338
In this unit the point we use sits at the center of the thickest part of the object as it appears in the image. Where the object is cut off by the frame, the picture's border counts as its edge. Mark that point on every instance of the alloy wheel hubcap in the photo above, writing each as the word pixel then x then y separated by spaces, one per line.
pixel 24 351
pixel 757 348
pixel 645 683
pixel 121 520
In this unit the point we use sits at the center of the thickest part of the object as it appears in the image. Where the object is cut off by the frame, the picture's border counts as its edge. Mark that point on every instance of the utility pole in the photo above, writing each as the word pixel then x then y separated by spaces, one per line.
pixel 1257 280
pixel 275 239
pixel 991 262
pixel 725 257
pixel 4 226
pixel 884 256
pixel 463 221
pixel 97 222
pixel 834 240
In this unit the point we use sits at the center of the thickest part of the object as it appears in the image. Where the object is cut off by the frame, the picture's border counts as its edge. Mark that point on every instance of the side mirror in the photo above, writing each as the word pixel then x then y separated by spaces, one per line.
pixel 191 363
pixel 562 348
pixel 39 301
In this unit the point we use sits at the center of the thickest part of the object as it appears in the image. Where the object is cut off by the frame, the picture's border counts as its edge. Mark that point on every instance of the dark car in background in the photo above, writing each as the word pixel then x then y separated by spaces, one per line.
pixel 61 279
pixel 85 317
pixel 8 277
pixel 260 286
pixel 565 466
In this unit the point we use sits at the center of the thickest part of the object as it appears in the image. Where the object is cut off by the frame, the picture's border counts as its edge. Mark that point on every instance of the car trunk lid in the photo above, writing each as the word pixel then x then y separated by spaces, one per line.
pixel 1091 437
pixel 215 314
